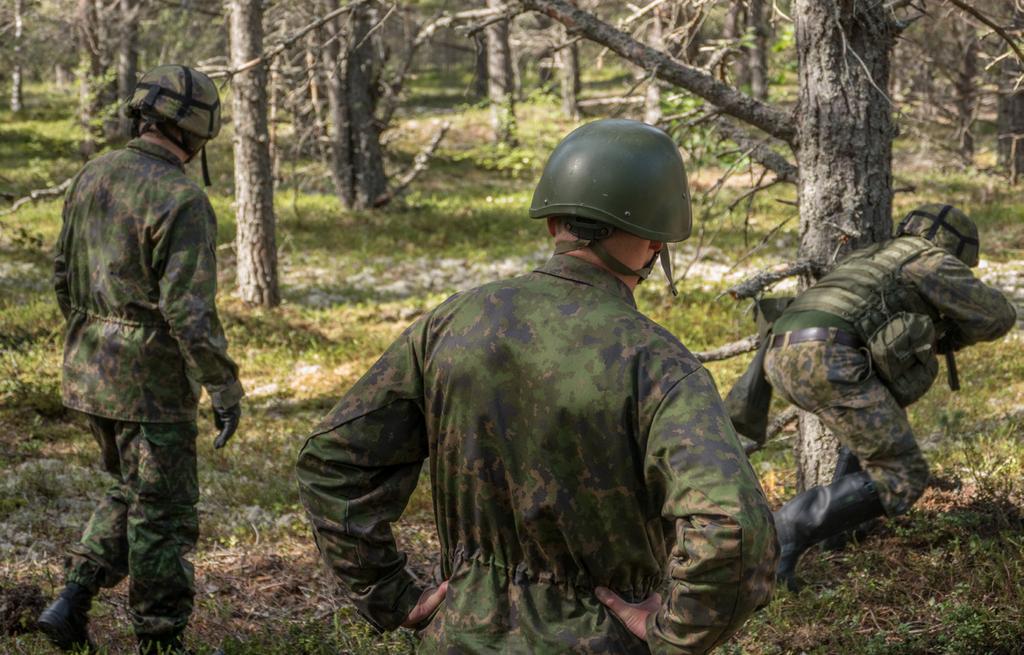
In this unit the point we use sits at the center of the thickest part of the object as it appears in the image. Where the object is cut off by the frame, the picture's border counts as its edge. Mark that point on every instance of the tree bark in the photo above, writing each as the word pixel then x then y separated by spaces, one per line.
pixel 1010 114
pixel 334 61
pixel 966 88
pixel 368 158
pixel 734 29
pixel 254 185
pixel 480 84
pixel 757 60
pixel 569 78
pixel 16 81
pixel 90 74
pixel 652 96
pixel 127 60
pixel 500 79
pixel 845 134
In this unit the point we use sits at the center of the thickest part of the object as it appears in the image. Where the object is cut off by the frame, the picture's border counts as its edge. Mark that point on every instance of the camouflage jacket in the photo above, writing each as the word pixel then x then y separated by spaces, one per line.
pixel 572 442
pixel 136 278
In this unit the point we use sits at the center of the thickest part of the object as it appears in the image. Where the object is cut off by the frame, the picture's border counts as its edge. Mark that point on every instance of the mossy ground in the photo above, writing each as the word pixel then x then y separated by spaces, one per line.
pixel 947 578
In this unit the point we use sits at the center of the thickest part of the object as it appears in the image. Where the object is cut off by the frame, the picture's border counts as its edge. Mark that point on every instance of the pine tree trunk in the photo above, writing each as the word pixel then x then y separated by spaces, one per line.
pixel 757 60
pixel 500 81
pixel 127 60
pixel 90 75
pixel 368 159
pixel 568 59
pixel 845 133
pixel 254 191
pixel 734 29
pixel 1010 114
pixel 16 80
pixel 652 97
pixel 966 86
pixel 334 59
pixel 480 84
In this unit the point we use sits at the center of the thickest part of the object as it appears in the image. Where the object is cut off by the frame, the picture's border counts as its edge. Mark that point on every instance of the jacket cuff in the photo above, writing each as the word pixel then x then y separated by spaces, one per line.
pixel 386 616
pixel 226 395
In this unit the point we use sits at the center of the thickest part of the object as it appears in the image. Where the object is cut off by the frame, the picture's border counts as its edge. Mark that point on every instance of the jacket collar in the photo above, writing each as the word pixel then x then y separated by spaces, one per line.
pixel 581 271
pixel 153 150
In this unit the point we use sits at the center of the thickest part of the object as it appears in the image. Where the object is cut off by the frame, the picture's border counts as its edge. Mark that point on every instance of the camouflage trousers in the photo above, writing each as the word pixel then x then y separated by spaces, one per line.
pixel 146 524
pixel 836 383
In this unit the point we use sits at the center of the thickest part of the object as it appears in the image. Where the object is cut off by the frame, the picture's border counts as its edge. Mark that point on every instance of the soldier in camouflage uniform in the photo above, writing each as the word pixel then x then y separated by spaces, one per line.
pixel 581 461
pixel 136 280
pixel 819 360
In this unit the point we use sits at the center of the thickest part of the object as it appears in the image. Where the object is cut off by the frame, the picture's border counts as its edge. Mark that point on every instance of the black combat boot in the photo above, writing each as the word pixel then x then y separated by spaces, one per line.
pixel 820 513
pixel 846 464
pixel 66 621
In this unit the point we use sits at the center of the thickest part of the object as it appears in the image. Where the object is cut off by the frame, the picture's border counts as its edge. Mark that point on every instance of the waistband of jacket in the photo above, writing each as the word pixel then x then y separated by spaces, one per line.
pixel 576 583
pixel 117 320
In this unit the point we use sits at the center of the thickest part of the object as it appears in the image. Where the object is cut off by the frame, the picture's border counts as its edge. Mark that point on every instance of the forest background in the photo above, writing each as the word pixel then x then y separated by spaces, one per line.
pixel 378 156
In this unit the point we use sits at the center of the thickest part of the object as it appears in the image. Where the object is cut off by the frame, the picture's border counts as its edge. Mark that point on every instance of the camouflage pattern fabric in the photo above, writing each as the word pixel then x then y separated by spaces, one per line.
pixel 836 383
pixel 572 442
pixel 146 524
pixel 136 277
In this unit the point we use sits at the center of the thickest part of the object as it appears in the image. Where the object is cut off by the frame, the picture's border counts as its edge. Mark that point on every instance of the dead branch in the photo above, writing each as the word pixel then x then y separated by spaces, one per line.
pixel 419 165
pixel 781 420
pixel 729 350
pixel 992 24
pixel 759 151
pixel 610 101
pixel 38 194
pixel 769 118
pixel 755 285
pixel 279 47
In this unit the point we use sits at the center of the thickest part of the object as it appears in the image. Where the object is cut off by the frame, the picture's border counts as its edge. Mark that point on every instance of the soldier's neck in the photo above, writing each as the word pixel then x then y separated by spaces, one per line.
pixel 160 140
pixel 586 255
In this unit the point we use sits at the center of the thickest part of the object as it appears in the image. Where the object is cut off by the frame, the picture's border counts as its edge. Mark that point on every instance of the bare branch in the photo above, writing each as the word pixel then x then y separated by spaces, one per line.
pixel 759 151
pixel 419 165
pixel 769 118
pixel 990 23
pixel 729 350
pixel 288 41
pixel 38 194
pixel 755 285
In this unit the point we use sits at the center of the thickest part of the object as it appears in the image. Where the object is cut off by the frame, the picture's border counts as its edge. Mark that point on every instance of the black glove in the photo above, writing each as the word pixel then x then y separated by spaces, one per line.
pixel 226 419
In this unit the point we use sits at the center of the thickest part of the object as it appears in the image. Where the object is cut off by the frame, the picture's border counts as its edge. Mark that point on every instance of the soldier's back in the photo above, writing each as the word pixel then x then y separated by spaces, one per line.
pixel 538 394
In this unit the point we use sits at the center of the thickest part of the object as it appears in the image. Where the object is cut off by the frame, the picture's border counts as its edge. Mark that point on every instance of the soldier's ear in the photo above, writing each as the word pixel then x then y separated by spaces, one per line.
pixel 554 222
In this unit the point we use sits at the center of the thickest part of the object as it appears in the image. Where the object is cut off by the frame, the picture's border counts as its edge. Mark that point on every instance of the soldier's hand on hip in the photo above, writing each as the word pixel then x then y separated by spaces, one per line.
pixel 226 420
pixel 425 606
pixel 633 615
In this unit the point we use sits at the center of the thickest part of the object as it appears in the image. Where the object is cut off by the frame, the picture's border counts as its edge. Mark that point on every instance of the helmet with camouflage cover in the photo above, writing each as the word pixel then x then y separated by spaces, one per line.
pixel 183 97
pixel 945 226
pixel 616 174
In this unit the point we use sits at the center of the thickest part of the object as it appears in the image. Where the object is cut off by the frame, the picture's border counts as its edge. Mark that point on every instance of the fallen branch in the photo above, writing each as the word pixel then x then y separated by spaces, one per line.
pixel 755 285
pixel 38 194
pixel 769 118
pixel 419 164
pixel 729 350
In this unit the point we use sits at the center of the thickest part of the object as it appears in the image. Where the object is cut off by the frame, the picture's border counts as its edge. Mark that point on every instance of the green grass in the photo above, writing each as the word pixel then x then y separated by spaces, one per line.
pixel 947 578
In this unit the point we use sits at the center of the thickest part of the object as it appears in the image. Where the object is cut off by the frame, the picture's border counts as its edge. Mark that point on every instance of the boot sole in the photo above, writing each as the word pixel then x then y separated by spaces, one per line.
pixel 62 635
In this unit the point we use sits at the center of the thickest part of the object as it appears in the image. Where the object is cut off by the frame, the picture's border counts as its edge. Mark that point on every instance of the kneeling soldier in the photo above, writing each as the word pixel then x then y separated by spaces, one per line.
pixel 859 346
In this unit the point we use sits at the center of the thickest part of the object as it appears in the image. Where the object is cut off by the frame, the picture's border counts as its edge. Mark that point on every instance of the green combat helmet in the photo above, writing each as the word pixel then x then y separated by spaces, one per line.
pixel 945 226
pixel 183 97
pixel 617 174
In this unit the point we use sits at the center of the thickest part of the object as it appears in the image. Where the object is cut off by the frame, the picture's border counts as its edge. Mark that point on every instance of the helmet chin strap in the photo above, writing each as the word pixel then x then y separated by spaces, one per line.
pixel 616 265
pixel 188 151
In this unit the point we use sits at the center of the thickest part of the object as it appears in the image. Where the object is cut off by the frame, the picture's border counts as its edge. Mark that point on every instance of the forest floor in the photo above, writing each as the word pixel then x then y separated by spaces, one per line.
pixel 946 578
